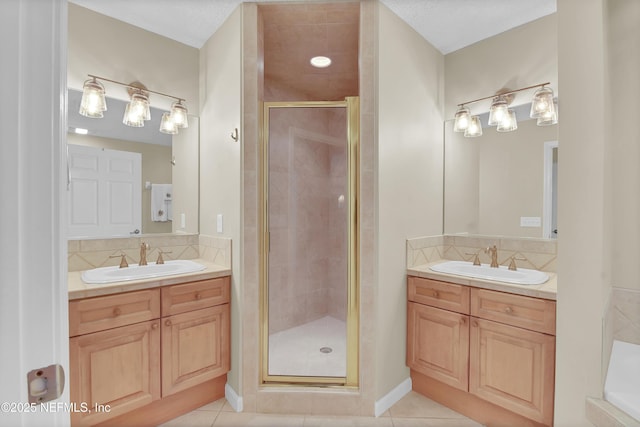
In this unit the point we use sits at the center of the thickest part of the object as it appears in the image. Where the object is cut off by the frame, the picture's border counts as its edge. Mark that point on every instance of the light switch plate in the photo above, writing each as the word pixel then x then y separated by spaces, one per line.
pixel 219 223
pixel 530 221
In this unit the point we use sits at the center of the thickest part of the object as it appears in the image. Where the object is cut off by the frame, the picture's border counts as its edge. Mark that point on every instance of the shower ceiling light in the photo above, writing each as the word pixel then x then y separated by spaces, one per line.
pixel 138 110
pixel 320 61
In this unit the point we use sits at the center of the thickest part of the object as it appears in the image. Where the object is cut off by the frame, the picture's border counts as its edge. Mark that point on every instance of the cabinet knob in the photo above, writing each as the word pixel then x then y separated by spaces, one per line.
pixel 508 310
pixel 463 320
pixel 117 311
pixel 474 324
pixel 167 322
pixel 198 296
pixel 154 326
pixel 436 294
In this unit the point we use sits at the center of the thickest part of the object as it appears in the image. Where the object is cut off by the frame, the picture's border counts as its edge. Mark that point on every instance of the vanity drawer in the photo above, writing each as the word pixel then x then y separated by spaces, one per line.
pixel 526 312
pixel 195 295
pixel 111 311
pixel 443 295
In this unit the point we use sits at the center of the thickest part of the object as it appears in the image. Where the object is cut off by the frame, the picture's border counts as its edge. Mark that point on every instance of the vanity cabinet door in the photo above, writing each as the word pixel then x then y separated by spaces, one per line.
pixel 438 344
pixel 119 367
pixel 513 368
pixel 195 347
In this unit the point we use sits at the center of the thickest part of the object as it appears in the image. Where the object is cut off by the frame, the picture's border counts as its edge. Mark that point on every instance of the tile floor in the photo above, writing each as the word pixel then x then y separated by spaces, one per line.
pixel 413 410
pixel 296 351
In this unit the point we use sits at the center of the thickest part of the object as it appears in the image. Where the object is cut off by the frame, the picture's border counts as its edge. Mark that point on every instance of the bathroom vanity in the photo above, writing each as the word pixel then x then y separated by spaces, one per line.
pixel 144 352
pixel 484 349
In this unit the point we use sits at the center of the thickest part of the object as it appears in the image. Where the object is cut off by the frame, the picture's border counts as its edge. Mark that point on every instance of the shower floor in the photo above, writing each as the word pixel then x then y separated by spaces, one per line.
pixel 296 351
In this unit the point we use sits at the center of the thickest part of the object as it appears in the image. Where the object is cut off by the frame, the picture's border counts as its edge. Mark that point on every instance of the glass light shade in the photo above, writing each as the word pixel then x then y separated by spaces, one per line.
pixel 542 102
pixel 549 118
pixel 498 111
pixel 93 102
pixel 461 119
pixel 137 111
pixel 179 114
pixel 167 125
pixel 474 129
pixel 508 123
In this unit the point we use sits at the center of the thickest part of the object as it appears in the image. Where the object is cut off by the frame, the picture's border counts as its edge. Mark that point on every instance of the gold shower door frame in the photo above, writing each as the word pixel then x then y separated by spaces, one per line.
pixel 352 105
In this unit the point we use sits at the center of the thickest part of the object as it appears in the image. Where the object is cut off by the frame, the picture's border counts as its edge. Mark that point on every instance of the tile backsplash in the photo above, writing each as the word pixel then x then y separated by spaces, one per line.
pixel 94 253
pixel 538 254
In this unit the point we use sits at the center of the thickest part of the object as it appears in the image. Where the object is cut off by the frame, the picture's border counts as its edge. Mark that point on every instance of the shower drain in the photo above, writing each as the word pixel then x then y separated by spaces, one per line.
pixel 326 350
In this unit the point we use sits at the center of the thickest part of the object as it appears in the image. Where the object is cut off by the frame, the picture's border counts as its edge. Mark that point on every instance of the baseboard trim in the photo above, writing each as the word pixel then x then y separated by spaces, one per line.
pixel 232 397
pixel 388 400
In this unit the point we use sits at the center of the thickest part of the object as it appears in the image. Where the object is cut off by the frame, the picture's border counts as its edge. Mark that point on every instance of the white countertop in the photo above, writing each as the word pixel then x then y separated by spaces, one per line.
pixel 79 289
pixel 547 290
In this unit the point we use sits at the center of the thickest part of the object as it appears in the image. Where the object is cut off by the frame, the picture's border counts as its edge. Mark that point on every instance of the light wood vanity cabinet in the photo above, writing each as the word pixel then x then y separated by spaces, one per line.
pixel 149 355
pixel 496 352
pixel 438 339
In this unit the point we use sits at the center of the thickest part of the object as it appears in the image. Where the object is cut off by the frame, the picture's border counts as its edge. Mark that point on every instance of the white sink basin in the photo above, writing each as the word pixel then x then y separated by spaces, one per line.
pixel 521 276
pixel 136 272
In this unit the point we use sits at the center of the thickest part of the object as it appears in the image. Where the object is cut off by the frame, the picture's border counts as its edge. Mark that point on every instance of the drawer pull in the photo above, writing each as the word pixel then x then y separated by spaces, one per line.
pixel 474 324
pixel 463 320
pixel 167 322
pixel 508 310
pixel 117 312
pixel 154 326
pixel 198 296
pixel 436 294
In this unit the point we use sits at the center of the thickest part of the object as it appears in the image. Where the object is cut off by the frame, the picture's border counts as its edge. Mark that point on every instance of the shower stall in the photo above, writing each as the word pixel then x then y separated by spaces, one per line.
pixel 309 306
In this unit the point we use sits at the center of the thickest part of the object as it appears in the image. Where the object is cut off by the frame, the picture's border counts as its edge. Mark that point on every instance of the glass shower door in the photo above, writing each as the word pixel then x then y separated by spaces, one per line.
pixel 308 232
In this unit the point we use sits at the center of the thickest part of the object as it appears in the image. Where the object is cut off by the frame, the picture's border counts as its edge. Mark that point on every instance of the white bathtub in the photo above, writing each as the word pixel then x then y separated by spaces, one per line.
pixel 622 386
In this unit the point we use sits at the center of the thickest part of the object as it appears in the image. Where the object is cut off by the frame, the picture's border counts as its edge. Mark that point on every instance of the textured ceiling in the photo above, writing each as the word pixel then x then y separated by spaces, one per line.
pixel 447 24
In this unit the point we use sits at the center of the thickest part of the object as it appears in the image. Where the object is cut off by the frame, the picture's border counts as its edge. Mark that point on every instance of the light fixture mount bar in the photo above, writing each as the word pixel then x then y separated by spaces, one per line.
pixel 502 94
pixel 135 88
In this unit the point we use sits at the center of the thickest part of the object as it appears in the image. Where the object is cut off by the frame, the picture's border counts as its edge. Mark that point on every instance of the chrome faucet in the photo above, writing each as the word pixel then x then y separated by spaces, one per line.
pixel 493 250
pixel 143 253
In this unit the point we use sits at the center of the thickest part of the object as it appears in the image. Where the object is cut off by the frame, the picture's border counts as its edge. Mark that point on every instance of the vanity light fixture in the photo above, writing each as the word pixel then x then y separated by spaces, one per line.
pixel 508 122
pixel 138 110
pixel 474 129
pixel 543 108
pixel 542 103
pixel 550 117
pixel 498 112
pixel 462 119
pixel 93 102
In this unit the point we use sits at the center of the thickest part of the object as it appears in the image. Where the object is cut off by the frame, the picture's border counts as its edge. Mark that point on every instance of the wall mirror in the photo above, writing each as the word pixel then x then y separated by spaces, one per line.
pixel 501 183
pixel 104 202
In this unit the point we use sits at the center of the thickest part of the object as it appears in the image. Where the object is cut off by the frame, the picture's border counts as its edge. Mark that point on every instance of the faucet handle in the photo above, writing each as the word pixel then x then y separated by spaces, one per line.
pixel 512 263
pixel 476 258
pixel 160 260
pixel 123 260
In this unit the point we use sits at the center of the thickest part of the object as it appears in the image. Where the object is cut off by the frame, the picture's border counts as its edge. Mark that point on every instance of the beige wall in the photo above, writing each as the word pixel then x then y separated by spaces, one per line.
pixel 115 50
pixel 185 150
pixel 409 177
pixel 156 168
pixel 624 81
pixel 220 156
pixel 494 180
pixel 584 208
pixel 517 58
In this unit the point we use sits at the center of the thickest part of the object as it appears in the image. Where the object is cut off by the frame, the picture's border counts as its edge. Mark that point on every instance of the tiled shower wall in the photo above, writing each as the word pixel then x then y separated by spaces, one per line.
pixel 538 254
pixel 307 265
pixel 94 253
